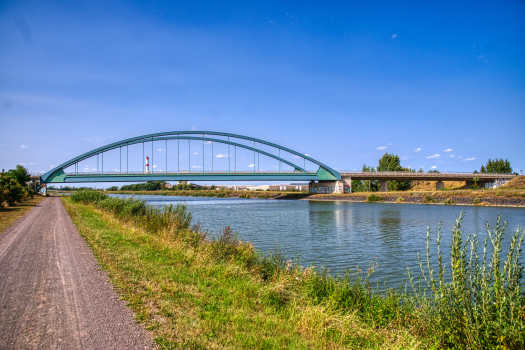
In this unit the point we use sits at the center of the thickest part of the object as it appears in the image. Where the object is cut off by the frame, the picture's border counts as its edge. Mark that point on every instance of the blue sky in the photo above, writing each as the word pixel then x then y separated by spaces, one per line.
pixel 441 84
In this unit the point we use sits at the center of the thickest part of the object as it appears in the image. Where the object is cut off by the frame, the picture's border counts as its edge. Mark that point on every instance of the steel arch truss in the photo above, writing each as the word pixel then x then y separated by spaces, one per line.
pixel 58 174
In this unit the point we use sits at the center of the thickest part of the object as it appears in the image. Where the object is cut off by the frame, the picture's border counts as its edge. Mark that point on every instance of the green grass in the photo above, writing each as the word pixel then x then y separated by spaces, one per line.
pixel 193 291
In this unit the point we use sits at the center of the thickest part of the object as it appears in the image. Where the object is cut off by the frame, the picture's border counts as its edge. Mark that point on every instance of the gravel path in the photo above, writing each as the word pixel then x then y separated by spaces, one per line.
pixel 53 295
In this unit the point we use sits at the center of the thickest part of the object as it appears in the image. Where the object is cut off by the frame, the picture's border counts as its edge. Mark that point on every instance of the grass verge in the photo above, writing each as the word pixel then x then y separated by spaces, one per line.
pixel 193 291
pixel 10 214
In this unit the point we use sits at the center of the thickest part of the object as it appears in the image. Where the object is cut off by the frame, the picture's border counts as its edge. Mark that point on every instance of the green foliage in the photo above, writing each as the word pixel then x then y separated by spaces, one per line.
pixel 392 162
pixel 478 300
pixel 20 174
pixel 148 186
pixel 11 191
pixel 362 185
pixel 112 188
pixel 88 196
pixel 374 198
pixel 428 199
pixel 498 165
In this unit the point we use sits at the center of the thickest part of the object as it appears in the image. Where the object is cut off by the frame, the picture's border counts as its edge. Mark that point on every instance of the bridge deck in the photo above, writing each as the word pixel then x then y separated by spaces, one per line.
pixel 406 176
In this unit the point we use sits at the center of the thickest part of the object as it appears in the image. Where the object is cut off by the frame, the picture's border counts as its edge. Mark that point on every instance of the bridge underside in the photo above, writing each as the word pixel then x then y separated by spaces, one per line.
pixel 183 177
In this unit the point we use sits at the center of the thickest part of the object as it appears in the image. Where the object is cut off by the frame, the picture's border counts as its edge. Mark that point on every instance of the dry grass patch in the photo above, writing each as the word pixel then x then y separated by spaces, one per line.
pixel 10 214
pixel 516 183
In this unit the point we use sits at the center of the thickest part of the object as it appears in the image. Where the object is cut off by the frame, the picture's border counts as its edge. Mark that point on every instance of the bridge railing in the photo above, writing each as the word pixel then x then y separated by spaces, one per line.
pixel 426 174
pixel 175 172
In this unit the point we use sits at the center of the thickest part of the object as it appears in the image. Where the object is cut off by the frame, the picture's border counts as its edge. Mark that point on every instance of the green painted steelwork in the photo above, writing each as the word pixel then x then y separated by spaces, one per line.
pixel 324 173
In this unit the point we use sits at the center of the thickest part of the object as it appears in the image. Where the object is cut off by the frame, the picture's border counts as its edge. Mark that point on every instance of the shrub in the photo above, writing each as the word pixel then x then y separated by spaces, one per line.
pixel 428 199
pixel 11 191
pixel 400 199
pixel 374 198
pixel 477 201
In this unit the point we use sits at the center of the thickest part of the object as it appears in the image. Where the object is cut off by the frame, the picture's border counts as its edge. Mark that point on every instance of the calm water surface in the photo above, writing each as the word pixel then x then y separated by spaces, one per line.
pixel 342 235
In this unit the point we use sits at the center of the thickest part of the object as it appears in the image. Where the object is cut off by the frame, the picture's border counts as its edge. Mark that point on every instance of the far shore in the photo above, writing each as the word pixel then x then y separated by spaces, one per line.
pixel 497 197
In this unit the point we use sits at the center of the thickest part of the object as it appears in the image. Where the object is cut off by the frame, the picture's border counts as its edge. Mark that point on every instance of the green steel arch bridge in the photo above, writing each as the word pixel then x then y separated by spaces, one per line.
pixel 291 168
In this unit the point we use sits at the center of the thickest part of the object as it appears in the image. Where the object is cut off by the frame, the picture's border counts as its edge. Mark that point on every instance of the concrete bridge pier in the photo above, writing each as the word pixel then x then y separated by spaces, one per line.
pixel 440 185
pixel 384 186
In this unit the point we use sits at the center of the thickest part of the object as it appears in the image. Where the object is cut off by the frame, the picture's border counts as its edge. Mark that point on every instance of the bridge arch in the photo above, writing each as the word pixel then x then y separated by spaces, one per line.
pixel 323 173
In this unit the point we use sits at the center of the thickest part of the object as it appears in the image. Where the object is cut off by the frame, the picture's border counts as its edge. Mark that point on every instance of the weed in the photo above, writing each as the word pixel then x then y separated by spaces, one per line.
pixel 428 199
pixel 400 199
pixel 483 304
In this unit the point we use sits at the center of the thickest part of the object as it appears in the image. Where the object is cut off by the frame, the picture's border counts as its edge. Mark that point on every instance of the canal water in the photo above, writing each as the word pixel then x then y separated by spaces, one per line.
pixel 344 235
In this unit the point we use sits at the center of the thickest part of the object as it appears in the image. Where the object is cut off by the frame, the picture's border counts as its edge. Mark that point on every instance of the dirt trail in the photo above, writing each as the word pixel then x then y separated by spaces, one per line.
pixel 53 295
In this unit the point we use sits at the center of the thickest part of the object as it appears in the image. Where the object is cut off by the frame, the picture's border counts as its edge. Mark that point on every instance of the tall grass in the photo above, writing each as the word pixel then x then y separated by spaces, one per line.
pixel 477 301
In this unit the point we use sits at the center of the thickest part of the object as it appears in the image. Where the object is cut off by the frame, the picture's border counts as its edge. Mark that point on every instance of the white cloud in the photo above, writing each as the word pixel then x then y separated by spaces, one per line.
pixel 221 155
pixel 468 159
pixel 160 149
pixel 448 150
pixel 433 167
pixel 394 36
pixel 207 142
pixel 404 158
pixel 434 156
pixel 417 149
pixel 154 166
pixel 24 146
pixel 451 156
pixel 251 165
pixel 381 147
pixel 196 167
pixel 195 153
pixel 194 128
pixel 460 157
pixel 85 139
pixel 389 144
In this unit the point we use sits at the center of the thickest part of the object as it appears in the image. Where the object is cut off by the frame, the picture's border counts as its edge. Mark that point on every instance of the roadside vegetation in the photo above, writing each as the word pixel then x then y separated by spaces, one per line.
pixel 13 188
pixel 194 290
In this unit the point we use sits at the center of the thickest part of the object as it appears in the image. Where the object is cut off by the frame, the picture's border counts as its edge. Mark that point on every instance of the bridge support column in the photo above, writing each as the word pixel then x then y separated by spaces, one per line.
pixel 440 185
pixel 384 186
pixel 326 187
pixel 347 184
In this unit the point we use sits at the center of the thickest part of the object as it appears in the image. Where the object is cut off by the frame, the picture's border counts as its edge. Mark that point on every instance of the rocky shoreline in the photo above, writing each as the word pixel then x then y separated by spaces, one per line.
pixel 451 200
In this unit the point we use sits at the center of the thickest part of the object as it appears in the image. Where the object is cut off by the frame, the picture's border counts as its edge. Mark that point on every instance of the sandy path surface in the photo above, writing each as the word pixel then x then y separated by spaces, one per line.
pixel 53 295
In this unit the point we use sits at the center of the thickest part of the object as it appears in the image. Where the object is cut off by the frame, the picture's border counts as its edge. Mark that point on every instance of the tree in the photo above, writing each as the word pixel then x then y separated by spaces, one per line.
pixel 20 174
pixel 392 162
pixel 364 185
pixel 498 165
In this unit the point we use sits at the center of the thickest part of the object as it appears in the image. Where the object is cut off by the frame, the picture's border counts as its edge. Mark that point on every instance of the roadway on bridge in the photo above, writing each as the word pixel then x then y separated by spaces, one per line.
pixel 53 295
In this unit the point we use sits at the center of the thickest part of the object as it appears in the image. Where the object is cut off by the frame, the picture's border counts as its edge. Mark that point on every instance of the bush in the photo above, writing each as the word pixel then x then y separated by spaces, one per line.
pixel 10 190
pixel 400 199
pixel 374 198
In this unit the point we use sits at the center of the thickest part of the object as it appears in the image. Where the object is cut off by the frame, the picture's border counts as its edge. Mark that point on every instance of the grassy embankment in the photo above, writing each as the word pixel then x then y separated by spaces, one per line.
pixel 211 193
pixel 10 214
pixel 192 291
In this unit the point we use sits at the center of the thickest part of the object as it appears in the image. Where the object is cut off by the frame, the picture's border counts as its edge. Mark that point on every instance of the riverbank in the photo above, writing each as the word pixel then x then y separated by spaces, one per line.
pixel 194 291
pixel 504 198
